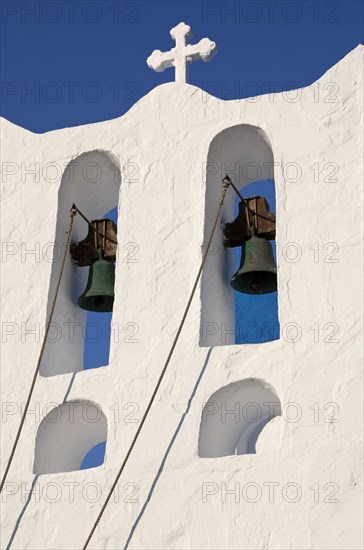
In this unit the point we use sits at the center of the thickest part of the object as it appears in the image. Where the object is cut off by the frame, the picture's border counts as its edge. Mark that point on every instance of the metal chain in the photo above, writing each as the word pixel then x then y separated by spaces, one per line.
pixel 225 185
pixel 53 305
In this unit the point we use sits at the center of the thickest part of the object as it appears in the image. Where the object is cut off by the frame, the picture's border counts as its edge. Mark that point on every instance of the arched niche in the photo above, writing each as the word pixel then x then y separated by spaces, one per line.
pixel 92 182
pixel 66 435
pixel 245 153
pixel 234 416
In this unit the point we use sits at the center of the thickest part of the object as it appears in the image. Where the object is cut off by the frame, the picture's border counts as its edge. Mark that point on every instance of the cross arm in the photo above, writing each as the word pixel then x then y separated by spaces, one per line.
pixel 205 49
pixel 159 61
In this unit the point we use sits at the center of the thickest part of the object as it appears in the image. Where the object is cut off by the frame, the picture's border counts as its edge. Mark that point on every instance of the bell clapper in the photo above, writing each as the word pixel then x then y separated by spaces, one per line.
pixel 255 285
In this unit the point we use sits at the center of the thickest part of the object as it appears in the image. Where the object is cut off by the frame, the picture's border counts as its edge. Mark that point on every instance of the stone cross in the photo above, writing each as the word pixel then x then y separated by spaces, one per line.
pixel 183 54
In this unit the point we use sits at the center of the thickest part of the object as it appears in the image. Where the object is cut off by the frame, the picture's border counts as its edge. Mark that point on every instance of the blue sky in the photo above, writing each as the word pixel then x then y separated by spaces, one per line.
pixel 67 64
pixel 86 63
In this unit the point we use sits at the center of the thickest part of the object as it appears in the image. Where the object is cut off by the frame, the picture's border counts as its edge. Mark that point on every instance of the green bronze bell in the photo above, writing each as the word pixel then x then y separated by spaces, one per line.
pixel 99 293
pixel 257 273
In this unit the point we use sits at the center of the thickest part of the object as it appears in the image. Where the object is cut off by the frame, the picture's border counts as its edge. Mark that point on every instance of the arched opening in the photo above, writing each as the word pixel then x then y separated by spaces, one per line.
pixel 92 182
pixel 234 417
pixel 244 153
pixel 66 435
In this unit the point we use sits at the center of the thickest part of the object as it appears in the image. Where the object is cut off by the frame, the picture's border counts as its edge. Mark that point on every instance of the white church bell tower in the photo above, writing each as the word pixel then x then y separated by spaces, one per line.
pixel 244 446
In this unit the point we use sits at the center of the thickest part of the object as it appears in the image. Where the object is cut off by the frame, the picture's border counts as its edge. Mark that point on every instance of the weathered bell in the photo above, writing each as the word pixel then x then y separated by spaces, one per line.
pixel 99 293
pixel 257 273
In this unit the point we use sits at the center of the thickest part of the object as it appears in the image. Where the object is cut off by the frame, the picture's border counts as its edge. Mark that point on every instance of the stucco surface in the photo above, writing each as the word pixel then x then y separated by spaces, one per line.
pixel 166 205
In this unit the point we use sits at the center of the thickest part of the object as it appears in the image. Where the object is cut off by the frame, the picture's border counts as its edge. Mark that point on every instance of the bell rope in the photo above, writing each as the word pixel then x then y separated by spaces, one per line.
pixel 47 328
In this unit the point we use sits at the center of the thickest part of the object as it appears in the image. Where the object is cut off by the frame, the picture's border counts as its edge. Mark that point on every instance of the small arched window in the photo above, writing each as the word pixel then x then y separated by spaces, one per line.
pixel 234 417
pixel 66 435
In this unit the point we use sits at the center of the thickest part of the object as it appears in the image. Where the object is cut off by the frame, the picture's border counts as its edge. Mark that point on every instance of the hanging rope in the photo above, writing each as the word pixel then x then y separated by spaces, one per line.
pixel 225 184
pixel 48 325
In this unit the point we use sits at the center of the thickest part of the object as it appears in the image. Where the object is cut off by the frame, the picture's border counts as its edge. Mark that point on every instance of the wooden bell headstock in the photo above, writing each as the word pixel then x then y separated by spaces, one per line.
pixel 101 234
pixel 253 211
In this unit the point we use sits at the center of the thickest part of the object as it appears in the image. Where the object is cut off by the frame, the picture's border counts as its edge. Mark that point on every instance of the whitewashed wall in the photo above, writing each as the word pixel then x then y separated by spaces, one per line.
pixel 166 206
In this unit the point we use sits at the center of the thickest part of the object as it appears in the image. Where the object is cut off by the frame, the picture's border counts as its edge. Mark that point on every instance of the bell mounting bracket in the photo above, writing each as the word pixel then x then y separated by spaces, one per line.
pixel 101 234
pixel 253 212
